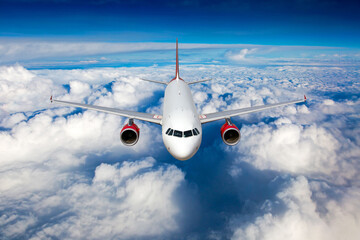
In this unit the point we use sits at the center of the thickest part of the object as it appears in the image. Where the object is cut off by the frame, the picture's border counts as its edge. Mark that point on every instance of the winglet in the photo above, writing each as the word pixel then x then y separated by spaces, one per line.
pixel 51 99
pixel 305 98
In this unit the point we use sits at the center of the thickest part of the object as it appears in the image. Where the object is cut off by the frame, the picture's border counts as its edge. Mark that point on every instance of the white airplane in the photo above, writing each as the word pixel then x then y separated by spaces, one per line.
pixel 180 121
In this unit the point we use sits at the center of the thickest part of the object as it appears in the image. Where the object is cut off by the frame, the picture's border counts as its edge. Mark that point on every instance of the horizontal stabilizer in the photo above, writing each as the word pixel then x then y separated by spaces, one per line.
pixel 199 81
pixel 154 81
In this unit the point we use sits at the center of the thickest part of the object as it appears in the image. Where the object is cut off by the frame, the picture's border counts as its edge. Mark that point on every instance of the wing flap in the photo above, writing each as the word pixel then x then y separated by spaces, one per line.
pixel 205 118
pixel 124 113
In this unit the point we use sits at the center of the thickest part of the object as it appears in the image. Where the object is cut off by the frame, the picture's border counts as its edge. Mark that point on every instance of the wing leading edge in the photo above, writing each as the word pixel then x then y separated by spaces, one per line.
pixel 205 118
pixel 154 118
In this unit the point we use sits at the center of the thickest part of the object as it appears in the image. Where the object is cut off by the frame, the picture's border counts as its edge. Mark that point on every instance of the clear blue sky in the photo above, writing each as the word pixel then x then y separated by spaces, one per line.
pixel 279 22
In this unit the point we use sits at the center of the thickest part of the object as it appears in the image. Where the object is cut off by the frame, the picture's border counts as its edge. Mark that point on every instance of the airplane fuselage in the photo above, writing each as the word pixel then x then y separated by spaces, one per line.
pixel 181 117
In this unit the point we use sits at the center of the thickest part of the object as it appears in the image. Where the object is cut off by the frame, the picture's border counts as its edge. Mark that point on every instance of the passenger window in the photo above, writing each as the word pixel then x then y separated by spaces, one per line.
pixel 171 132
pixel 197 131
pixel 168 131
pixel 194 132
pixel 188 133
pixel 177 133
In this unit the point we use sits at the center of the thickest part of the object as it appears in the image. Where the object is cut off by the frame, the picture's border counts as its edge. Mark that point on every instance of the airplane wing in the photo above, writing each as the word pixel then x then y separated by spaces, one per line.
pixel 205 118
pixel 154 118
pixel 199 81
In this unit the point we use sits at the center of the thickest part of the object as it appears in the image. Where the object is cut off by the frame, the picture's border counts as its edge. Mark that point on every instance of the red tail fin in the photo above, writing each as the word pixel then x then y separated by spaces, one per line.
pixel 177 75
pixel 177 60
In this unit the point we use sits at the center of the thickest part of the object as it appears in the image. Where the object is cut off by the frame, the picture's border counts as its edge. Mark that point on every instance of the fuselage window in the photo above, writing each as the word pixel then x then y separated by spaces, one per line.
pixel 188 133
pixel 194 132
pixel 177 133
pixel 197 131
pixel 168 131
pixel 171 132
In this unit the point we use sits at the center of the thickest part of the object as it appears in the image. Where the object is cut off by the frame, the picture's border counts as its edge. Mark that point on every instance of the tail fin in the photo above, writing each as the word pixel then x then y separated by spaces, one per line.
pixel 177 75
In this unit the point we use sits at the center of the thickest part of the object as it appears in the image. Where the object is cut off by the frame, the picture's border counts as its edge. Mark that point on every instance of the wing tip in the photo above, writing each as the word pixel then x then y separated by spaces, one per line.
pixel 305 97
pixel 51 99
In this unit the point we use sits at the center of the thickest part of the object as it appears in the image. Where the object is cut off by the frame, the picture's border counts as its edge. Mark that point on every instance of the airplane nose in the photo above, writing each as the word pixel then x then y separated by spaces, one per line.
pixel 182 153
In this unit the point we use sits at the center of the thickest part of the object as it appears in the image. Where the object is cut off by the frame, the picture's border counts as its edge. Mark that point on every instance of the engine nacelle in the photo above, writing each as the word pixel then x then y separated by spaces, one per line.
pixel 230 133
pixel 130 134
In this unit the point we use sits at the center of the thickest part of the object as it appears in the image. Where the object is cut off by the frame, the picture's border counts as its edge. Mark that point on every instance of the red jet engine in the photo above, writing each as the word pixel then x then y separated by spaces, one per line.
pixel 230 134
pixel 130 133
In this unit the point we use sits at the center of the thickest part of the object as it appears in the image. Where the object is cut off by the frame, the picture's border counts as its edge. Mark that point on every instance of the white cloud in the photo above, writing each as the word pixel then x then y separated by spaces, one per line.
pixel 44 52
pixel 300 218
pixel 22 90
pixel 79 88
pixel 131 200
pixel 314 141
pixel 20 226
pixel 240 55
pixel 317 148
pixel 318 140
pixel 66 174
pixel 128 200
pixel 44 155
pixel 13 50
pixel 200 97
pixel 291 147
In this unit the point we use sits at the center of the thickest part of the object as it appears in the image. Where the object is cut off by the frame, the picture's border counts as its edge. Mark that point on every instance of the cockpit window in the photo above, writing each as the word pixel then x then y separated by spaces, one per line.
pixel 188 133
pixel 197 131
pixel 178 133
pixel 168 131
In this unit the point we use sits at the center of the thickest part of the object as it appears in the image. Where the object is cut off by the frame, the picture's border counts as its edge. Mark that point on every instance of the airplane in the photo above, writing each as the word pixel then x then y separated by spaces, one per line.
pixel 180 121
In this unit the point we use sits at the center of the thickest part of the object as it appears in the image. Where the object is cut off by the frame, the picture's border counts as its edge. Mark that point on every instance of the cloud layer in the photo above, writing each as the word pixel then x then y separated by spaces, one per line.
pixel 35 53
pixel 300 217
pixel 21 50
pixel 294 174
pixel 130 200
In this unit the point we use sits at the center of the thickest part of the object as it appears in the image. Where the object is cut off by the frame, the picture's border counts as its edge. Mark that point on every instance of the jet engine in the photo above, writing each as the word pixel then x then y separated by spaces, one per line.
pixel 230 133
pixel 130 133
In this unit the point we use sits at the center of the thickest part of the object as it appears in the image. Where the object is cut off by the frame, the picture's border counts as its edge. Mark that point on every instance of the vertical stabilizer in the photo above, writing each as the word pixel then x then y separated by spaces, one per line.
pixel 177 75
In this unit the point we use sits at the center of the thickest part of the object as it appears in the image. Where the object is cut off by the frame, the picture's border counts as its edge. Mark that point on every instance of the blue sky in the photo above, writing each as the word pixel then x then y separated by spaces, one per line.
pixel 65 34
pixel 309 22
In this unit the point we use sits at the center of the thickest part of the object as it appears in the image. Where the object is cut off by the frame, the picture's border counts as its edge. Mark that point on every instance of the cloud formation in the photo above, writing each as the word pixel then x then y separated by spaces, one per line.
pixel 56 144
pixel 21 50
pixel 300 217
pixel 127 201
pixel 294 174
pixel 240 55
pixel 37 53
